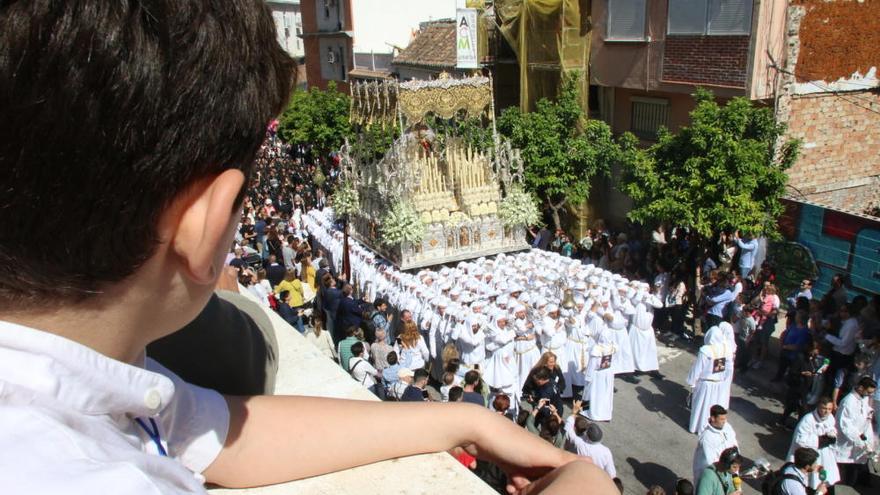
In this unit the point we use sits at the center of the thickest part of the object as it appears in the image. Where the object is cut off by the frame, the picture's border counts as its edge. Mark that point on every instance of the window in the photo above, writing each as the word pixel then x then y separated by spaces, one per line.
pixel 626 20
pixel 710 17
pixel 648 115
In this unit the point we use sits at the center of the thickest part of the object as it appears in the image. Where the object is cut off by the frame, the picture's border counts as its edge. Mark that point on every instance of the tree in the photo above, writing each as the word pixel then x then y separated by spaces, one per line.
pixel 722 172
pixel 317 120
pixel 562 150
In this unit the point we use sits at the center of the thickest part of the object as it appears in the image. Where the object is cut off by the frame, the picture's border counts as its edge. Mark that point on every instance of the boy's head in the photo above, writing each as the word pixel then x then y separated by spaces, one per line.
pixel 420 378
pixel 357 349
pixel 456 394
pixel 136 124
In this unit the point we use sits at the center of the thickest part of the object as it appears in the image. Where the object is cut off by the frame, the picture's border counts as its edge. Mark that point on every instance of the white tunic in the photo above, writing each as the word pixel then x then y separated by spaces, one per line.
pixel 553 336
pixel 623 359
pixel 711 444
pixel 709 386
pixel 472 345
pixel 599 375
pixel 500 371
pixel 641 334
pixel 807 434
pixel 527 352
pixel 852 423
pixel 577 352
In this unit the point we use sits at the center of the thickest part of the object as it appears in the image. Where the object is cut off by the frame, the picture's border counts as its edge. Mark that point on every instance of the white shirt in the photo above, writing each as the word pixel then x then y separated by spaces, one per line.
pixel 600 454
pixel 362 371
pixel 711 444
pixel 68 421
pixel 846 342
pixel 794 487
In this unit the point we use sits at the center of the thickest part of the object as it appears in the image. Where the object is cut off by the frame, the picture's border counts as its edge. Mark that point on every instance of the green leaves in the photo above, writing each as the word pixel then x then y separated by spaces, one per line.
pixel 718 173
pixel 561 149
pixel 318 119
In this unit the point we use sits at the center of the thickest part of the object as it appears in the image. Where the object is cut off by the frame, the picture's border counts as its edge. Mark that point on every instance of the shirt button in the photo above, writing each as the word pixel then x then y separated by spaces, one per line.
pixel 153 399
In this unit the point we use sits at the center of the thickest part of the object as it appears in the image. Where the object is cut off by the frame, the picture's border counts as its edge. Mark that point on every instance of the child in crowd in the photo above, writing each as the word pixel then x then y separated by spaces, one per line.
pixel 136 124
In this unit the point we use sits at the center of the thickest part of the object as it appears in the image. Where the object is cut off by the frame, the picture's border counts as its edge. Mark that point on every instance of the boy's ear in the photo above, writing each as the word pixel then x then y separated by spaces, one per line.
pixel 204 225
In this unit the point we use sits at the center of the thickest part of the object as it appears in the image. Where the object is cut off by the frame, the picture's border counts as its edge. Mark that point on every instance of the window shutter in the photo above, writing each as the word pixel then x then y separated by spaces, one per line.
pixel 687 17
pixel 626 20
pixel 730 17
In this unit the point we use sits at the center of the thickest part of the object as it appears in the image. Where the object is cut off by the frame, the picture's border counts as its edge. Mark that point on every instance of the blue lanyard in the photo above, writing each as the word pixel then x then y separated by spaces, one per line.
pixel 153 433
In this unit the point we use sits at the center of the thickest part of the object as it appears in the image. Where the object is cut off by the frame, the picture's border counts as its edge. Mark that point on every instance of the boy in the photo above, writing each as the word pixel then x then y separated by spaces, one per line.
pixel 136 124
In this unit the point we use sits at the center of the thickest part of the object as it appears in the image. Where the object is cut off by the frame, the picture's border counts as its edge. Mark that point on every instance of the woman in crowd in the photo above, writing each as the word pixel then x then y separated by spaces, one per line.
pixel 411 348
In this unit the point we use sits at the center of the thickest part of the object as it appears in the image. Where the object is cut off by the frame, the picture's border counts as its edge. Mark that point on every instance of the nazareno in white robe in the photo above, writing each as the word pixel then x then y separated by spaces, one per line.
pixel 599 389
pixel 576 352
pixel 471 345
pixel 500 372
pixel 710 385
pixel 623 358
pixel 641 334
pixel 526 351
pixel 807 434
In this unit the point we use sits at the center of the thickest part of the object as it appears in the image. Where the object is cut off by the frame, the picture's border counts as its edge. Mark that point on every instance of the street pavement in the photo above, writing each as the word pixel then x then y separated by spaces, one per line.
pixel 648 434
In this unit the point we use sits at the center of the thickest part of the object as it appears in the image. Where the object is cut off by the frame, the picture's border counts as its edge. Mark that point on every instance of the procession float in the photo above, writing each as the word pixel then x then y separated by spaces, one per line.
pixel 432 198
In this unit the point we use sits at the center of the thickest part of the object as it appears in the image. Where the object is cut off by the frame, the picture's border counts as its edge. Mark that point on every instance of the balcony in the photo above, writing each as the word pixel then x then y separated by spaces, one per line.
pixel 303 370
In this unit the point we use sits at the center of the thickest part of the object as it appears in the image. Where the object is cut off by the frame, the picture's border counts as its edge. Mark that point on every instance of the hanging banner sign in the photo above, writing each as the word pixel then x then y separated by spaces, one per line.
pixel 466 39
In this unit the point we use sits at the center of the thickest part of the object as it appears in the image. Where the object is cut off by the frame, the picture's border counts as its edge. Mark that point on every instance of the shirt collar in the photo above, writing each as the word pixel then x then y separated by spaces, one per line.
pixel 55 369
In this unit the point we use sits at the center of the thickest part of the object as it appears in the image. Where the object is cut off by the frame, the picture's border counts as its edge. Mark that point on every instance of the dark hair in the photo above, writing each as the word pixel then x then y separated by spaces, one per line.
pixel 717 410
pixel 420 374
pixel 357 348
pixel 391 358
pixel 379 301
pixel 684 487
pixel 472 377
pixel 867 382
pixel 729 457
pixel 453 365
pixel 455 394
pixel 824 400
pixel 804 457
pixel 619 484
pixel 542 373
pixel 283 295
pixel 111 110
pixel 522 418
pixel 351 330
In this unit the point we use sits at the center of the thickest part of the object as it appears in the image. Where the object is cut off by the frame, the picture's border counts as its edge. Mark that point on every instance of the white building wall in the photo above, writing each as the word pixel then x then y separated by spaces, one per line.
pixel 288 25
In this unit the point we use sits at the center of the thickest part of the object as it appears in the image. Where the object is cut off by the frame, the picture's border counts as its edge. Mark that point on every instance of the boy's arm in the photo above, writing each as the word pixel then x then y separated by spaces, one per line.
pixel 264 446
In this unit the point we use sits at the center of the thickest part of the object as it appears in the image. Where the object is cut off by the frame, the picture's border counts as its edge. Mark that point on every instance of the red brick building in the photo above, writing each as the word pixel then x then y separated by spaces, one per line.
pixel 327 39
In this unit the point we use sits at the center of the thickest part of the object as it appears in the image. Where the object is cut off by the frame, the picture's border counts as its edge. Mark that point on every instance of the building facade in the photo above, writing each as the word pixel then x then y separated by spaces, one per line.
pixel 327 40
pixel 829 97
pixel 288 25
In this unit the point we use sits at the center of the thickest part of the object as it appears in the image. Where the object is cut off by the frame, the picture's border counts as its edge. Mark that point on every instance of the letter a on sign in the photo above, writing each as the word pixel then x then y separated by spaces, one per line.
pixel 466 39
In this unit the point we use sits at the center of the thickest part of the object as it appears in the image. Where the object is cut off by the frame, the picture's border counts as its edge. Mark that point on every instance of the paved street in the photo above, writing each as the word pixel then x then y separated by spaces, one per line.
pixel 649 436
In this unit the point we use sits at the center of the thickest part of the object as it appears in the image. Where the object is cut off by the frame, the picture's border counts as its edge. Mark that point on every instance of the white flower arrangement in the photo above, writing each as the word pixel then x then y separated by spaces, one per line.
pixel 401 224
pixel 346 200
pixel 518 208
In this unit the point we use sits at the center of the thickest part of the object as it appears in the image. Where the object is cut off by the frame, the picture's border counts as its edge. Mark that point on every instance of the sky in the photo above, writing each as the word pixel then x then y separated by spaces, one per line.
pixel 377 22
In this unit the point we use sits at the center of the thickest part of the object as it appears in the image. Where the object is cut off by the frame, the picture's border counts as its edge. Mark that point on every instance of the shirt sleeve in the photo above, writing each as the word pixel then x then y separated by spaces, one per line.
pixel 194 424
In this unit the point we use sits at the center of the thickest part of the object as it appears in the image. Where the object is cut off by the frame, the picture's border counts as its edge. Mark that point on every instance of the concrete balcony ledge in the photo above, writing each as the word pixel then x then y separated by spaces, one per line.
pixel 304 370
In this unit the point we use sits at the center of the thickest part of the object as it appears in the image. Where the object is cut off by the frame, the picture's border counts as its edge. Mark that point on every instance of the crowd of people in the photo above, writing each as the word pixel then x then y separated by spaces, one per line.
pixel 539 336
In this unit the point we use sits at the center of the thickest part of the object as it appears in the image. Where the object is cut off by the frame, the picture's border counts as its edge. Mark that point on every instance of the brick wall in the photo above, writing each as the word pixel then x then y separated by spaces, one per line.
pixel 840 148
pixel 719 60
